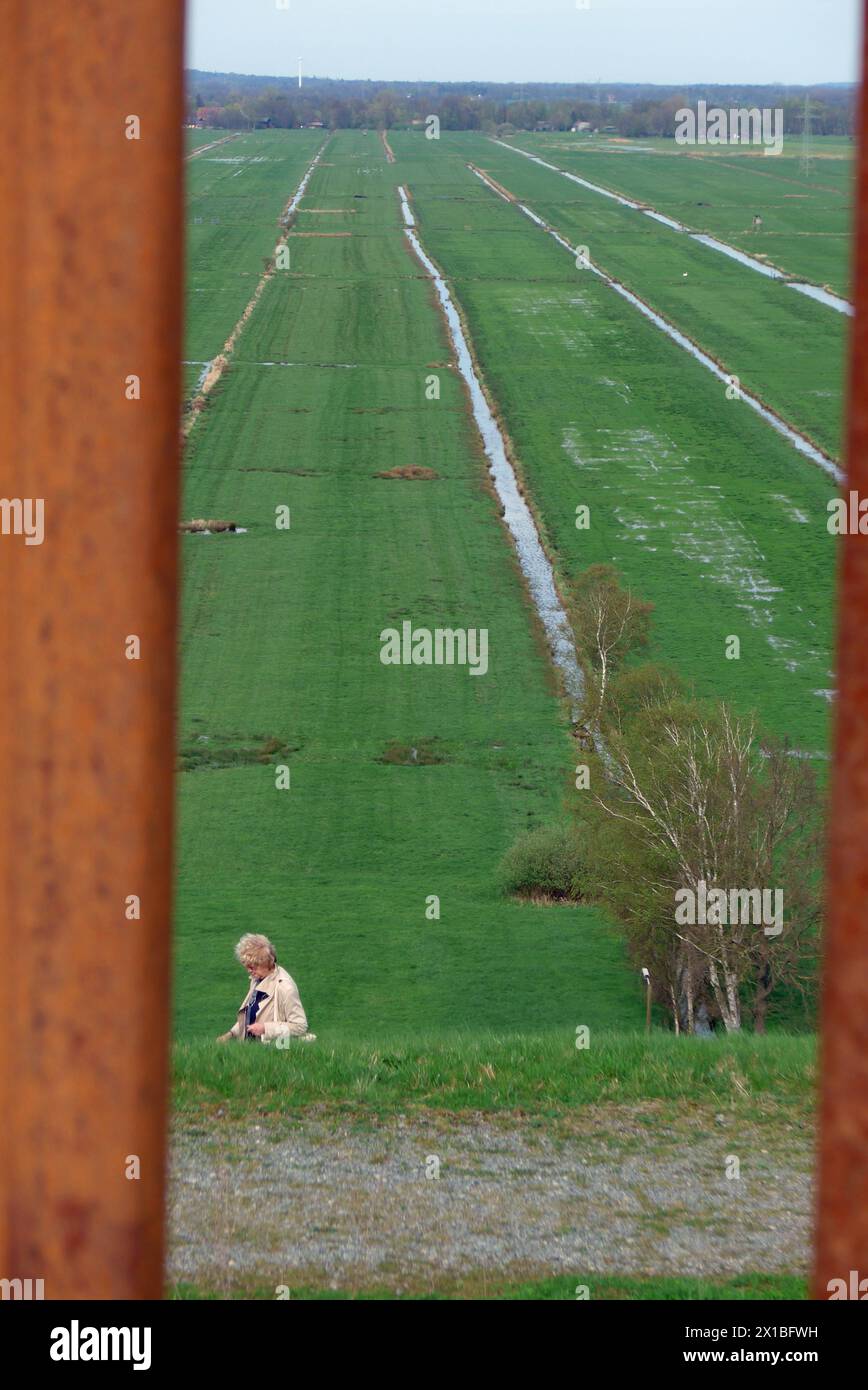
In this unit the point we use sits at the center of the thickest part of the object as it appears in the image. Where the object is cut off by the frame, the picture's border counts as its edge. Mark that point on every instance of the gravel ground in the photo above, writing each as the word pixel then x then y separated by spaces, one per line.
pixel 349 1204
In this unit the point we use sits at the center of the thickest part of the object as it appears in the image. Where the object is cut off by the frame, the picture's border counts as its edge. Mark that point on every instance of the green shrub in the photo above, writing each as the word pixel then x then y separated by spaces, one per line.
pixel 546 863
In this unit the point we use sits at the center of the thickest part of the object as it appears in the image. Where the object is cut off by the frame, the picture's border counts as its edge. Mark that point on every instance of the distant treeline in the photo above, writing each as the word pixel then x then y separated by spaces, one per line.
pixel 234 101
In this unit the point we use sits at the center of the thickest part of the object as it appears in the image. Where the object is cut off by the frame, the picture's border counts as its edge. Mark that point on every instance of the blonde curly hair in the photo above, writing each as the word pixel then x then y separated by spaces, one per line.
pixel 254 949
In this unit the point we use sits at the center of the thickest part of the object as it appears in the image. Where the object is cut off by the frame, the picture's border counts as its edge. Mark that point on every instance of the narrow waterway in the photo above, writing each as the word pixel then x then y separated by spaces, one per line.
pixel 516 513
pixel 299 192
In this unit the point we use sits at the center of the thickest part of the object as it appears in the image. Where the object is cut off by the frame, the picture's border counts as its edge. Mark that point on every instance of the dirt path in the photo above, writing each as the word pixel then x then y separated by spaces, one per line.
pixel 313 1200
pixel 390 154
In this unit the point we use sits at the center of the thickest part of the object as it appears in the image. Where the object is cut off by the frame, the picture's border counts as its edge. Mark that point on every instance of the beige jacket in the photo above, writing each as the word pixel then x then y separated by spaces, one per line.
pixel 281 1011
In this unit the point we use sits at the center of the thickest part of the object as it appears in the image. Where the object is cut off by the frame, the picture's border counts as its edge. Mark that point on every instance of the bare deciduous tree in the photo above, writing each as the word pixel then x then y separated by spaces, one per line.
pixel 608 622
pixel 701 804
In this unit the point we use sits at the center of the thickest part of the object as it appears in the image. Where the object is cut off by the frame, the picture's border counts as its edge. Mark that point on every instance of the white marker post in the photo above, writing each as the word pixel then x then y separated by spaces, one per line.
pixel 646 976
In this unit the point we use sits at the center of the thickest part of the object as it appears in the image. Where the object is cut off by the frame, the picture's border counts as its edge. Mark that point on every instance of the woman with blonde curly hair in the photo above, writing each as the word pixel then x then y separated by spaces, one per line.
pixel 272 1007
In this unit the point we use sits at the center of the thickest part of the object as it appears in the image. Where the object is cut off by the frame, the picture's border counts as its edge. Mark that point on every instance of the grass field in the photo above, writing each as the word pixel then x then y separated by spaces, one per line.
pixel 195 139
pixel 408 783
pixel 705 509
pixel 785 348
pixel 806 212
pixel 707 512
pixel 281 642
pixel 236 193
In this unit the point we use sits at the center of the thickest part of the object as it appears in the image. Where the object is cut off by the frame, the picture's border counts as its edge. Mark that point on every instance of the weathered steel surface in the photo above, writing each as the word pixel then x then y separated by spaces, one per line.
pixel 90 293
pixel 842 1231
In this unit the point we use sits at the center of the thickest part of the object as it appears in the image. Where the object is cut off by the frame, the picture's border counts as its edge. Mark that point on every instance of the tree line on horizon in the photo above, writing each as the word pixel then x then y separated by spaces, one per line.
pixel 234 101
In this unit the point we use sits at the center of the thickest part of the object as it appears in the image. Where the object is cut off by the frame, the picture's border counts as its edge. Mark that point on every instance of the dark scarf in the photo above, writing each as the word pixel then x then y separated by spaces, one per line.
pixel 254 1006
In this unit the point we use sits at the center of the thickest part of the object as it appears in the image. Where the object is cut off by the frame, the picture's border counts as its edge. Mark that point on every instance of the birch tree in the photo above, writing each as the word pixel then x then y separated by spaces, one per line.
pixel 691 798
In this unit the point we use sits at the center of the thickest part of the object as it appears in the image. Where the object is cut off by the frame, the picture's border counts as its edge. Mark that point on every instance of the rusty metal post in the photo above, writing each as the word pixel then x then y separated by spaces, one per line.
pixel 90 303
pixel 842 1231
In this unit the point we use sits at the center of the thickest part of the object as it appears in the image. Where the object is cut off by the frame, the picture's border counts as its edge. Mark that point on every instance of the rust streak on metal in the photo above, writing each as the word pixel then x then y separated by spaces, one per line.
pixel 90 293
pixel 842 1229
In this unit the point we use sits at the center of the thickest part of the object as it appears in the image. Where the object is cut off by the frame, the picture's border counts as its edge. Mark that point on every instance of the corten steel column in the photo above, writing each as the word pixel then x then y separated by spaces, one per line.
pixel 90 295
pixel 842 1235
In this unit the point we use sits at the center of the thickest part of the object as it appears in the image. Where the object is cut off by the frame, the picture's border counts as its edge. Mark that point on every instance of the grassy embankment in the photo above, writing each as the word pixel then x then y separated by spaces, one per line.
pixel 542 1074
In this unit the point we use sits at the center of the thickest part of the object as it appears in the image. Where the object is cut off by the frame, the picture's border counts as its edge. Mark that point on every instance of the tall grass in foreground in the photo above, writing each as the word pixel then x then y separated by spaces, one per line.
pixel 546 1074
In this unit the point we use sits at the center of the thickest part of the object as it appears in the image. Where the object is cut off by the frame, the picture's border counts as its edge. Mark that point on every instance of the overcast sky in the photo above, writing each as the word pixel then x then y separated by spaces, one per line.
pixel 667 41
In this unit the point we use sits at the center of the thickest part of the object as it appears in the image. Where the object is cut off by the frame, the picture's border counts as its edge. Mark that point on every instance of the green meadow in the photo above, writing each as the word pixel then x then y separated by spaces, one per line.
pixel 195 139
pixel 407 783
pixel 783 347
pixel 806 208
pixel 236 193
pixel 706 510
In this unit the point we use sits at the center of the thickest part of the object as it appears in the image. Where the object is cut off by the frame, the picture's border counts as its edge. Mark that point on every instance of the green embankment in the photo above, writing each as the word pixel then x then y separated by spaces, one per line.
pixel 539 1074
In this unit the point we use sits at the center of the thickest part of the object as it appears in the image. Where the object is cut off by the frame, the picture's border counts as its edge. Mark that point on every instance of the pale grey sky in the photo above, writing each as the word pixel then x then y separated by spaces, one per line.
pixel 666 41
